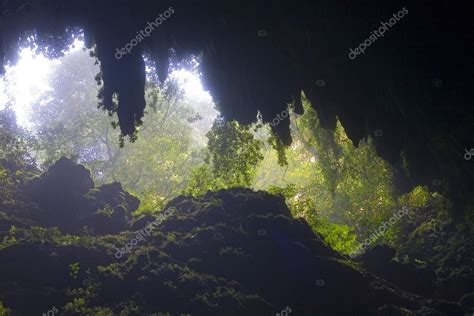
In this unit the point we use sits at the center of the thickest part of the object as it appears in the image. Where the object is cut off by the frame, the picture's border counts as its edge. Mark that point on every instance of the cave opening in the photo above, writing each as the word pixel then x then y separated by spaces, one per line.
pixel 235 159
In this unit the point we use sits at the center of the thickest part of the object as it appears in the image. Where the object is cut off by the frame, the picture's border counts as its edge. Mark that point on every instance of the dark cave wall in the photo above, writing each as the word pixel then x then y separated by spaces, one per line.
pixel 410 88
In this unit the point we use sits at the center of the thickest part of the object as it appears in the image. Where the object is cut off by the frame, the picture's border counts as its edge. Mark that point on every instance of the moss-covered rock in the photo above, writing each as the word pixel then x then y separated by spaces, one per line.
pixel 230 252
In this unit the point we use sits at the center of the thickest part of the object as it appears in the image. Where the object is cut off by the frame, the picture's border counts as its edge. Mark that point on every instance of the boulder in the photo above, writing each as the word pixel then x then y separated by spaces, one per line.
pixel 68 199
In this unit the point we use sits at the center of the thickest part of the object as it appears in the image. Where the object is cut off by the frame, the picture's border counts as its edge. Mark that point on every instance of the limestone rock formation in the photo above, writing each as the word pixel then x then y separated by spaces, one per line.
pixel 68 199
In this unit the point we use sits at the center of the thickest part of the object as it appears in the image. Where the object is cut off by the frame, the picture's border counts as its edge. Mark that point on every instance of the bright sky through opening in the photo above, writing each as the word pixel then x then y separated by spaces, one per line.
pixel 28 80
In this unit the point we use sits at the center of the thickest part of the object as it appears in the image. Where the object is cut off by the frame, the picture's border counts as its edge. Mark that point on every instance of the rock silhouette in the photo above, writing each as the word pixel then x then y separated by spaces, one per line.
pixel 69 200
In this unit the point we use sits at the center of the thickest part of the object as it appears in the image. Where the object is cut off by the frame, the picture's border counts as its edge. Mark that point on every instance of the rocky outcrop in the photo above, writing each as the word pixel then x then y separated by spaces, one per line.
pixel 230 252
pixel 68 199
pixel 420 280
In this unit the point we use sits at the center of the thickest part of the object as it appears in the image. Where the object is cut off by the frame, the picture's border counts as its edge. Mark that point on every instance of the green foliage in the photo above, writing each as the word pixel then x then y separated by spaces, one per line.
pixel 6 187
pixel 202 180
pixel 75 267
pixel 155 166
pixel 233 152
pixel 3 310
pixel 43 234
pixel 14 158
pixel 78 305
pixel 418 197
pixel 339 236
pixel 80 299
pixel 10 239
pixel 14 140
pixel 276 143
pixel 427 211
pixel 344 192
pixel 231 159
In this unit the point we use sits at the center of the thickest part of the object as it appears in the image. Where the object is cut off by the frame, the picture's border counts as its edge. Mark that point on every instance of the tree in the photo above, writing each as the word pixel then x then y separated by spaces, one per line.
pixel 16 162
pixel 232 156
pixel 340 189
pixel 14 140
pixel 155 165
